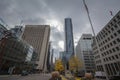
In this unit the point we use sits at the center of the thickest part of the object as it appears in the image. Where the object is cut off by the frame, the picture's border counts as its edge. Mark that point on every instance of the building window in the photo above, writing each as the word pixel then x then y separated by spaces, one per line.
pixel 104 60
pixel 113 50
pixel 118 17
pixel 112 65
pixel 112 29
pixel 114 42
pixel 115 26
pixel 105 47
pixel 106 34
pixel 107 52
pixel 118 39
pixel 111 44
pixel 113 57
pixel 111 37
pixel 110 58
pixel 110 51
pixel 116 66
pixel 108 46
pixel 115 20
pixel 117 48
pixel 115 34
pixel 108 38
pixel 118 31
pixel 103 42
pixel 107 59
pixel 111 24
pixel 108 26
pixel 116 56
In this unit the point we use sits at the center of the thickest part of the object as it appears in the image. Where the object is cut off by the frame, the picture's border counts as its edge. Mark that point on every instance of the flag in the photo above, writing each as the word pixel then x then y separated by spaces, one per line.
pixel 111 13
pixel 86 6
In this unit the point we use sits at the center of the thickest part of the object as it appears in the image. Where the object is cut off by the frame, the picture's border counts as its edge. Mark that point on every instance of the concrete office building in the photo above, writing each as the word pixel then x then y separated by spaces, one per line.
pixel 69 43
pixel 38 37
pixel 84 53
pixel 107 56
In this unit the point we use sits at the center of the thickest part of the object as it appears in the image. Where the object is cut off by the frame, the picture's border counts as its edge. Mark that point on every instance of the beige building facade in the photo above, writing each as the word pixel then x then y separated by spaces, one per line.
pixel 107 55
pixel 38 37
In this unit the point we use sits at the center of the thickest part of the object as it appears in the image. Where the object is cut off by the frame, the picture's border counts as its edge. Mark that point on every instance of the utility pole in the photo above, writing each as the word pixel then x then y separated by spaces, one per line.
pixel 96 42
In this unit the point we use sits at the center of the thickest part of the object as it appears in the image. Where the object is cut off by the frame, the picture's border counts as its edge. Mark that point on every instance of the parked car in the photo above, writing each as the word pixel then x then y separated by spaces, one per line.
pixel 24 73
pixel 116 77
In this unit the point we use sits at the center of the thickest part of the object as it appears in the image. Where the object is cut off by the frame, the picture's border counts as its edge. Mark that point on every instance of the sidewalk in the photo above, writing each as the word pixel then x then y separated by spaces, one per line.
pixel 8 75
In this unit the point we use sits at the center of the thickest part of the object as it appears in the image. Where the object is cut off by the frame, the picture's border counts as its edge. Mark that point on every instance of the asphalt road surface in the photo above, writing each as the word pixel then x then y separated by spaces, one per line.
pixel 28 77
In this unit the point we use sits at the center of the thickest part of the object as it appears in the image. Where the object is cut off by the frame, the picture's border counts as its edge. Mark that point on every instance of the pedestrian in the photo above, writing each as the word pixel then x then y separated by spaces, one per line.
pixel 55 76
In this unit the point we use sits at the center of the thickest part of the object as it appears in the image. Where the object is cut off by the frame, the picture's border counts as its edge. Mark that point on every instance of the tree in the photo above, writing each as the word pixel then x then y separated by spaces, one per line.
pixel 59 65
pixel 75 64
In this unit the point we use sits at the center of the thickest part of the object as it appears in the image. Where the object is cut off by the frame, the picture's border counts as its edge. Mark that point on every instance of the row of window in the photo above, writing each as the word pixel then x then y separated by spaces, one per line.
pixel 108 39
pixel 105 34
pixel 108 29
pixel 111 58
pixel 99 68
pixel 113 50
pixel 104 47
pixel 112 68
pixel 98 56
pixel 98 61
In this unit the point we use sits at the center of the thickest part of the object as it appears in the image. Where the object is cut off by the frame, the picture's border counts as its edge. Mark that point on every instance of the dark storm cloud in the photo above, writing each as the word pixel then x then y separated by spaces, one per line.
pixel 40 11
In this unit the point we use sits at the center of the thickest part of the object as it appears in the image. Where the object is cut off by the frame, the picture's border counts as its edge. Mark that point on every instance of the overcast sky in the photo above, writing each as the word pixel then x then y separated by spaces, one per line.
pixel 53 12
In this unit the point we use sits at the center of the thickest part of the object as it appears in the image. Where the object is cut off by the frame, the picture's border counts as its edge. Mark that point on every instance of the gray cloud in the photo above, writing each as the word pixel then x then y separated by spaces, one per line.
pixel 40 11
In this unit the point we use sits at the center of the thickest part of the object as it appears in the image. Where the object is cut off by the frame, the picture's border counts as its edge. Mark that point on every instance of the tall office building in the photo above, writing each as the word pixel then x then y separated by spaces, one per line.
pixel 38 37
pixel 107 56
pixel 69 43
pixel 85 54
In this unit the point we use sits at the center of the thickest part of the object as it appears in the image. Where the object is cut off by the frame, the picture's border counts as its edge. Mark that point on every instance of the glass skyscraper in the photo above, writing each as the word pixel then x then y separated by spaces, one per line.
pixel 15 54
pixel 85 54
pixel 69 43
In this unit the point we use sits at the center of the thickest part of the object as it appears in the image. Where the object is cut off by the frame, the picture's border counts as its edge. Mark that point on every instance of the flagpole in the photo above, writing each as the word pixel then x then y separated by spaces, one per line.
pixel 87 10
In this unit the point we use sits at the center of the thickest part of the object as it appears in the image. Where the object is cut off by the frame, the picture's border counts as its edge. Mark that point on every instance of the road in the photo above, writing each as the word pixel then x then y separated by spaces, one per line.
pixel 29 77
